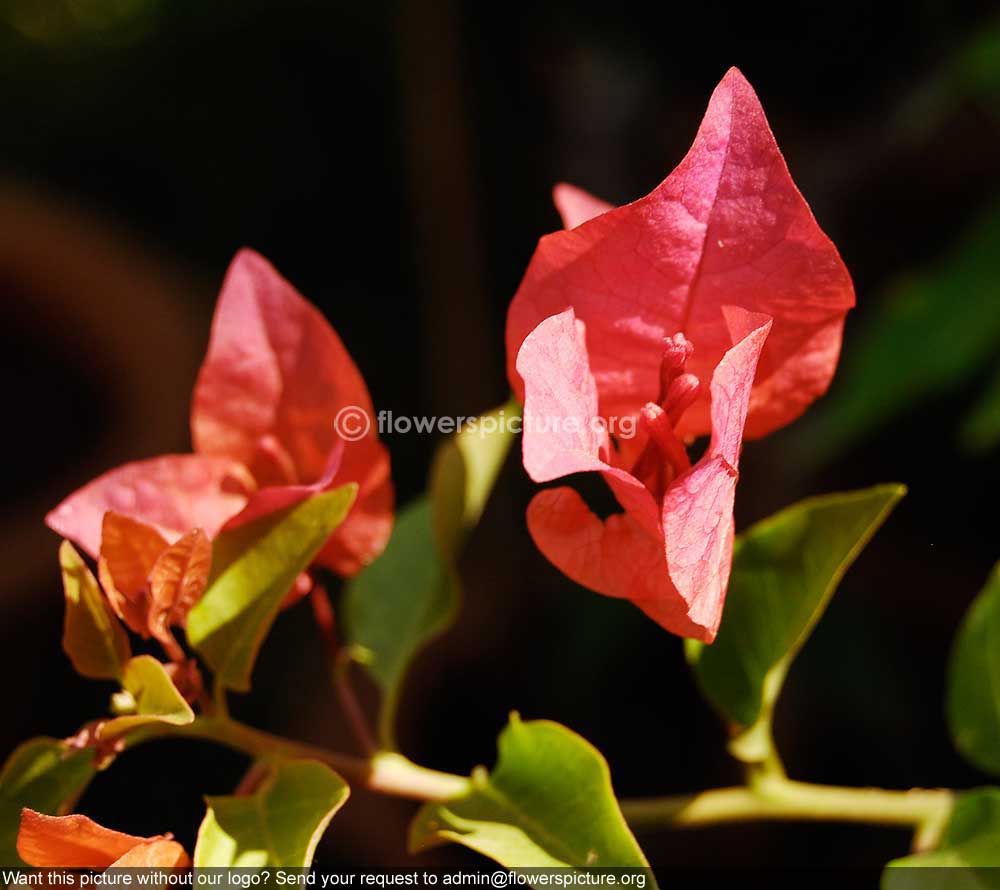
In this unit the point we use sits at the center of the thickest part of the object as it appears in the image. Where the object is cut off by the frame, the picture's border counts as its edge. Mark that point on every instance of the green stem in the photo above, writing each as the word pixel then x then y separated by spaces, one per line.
pixel 778 798
pixel 385 772
pixel 771 797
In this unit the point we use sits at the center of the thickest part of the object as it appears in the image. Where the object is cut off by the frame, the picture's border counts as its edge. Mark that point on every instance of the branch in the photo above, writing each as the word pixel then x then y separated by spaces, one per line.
pixel 780 799
pixel 385 772
pixel 772 799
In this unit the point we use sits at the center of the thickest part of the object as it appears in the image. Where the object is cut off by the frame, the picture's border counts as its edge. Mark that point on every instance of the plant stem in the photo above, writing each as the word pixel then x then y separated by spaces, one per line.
pixel 773 798
pixel 339 661
pixel 384 772
pixel 778 798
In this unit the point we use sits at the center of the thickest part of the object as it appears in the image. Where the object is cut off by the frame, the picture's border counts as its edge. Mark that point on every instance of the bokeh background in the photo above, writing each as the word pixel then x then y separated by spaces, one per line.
pixel 395 162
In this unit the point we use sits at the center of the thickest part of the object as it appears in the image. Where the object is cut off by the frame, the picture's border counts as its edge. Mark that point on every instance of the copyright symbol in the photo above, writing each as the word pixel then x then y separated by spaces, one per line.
pixel 352 423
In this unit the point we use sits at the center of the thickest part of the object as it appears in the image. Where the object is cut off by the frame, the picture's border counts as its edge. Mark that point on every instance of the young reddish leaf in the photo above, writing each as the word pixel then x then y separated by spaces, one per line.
pixel 173 493
pixel 728 226
pixel 129 550
pixel 177 580
pixel 275 379
pixel 78 842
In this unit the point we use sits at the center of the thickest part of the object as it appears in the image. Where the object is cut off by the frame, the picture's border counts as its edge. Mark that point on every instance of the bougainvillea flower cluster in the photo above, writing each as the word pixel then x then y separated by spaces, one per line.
pixel 714 305
pixel 262 424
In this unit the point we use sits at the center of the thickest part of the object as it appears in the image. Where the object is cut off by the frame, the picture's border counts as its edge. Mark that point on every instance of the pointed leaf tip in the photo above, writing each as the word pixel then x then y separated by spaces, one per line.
pixel 547 803
pixel 785 570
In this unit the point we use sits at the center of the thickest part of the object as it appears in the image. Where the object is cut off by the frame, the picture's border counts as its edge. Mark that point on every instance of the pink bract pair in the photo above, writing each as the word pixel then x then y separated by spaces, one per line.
pixel 713 306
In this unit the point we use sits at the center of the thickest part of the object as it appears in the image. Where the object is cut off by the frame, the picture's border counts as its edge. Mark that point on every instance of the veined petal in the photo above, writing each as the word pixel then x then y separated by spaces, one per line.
pixel 281 497
pixel 173 493
pixel 728 226
pixel 563 433
pixel 562 429
pixel 274 379
pixel 615 556
pixel 698 506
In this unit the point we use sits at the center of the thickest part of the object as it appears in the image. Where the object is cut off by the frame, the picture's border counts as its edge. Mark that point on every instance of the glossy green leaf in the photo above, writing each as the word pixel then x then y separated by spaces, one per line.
pixel 548 802
pixel 932 332
pixel 785 569
pixel 153 699
pixel 279 825
pixel 966 857
pixel 974 680
pixel 93 638
pixel 44 775
pixel 410 594
pixel 253 568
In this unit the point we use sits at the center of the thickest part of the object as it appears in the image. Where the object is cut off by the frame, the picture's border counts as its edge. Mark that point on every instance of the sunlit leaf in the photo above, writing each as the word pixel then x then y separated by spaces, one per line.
pixel 153 696
pixel 548 802
pixel 253 568
pixel 279 825
pixel 410 594
pixel 44 775
pixel 93 638
pixel 785 569
pixel 974 680
pixel 966 857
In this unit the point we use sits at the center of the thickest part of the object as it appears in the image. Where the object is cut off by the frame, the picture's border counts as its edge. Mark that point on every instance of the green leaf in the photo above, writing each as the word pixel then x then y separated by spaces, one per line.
pixel 154 699
pixel 93 638
pixel 44 775
pixel 974 680
pixel 785 569
pixel 464 471
pixel 398 604
pixel 929 334
pixel 279 825
pixel 967 855
pixel 410 594
pixel 253 568
pixel 548 802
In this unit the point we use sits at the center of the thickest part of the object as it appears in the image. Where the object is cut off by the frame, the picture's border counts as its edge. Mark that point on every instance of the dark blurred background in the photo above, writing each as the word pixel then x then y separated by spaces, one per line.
pixel 395 162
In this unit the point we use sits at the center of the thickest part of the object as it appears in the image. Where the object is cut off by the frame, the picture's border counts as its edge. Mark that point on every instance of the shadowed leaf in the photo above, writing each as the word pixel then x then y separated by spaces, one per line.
pixel 785 569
